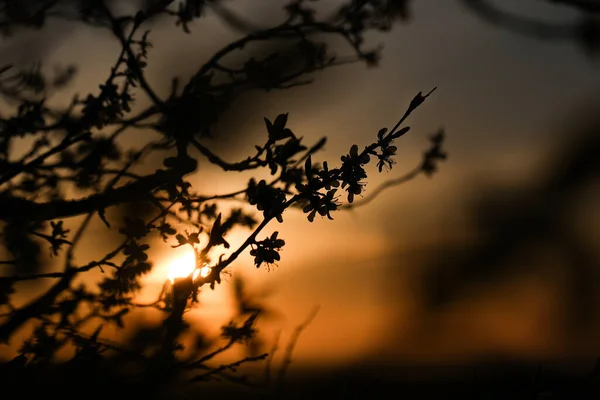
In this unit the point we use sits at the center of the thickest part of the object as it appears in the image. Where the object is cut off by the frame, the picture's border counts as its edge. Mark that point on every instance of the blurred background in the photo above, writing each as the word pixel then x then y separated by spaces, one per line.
pixel 493 258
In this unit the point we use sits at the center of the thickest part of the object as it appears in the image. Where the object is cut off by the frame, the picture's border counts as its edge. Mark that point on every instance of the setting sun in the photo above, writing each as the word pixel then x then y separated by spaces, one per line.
pixel 185 265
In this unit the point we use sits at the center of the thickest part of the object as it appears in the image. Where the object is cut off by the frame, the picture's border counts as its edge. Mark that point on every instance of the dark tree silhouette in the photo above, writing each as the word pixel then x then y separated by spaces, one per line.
pixel 76 169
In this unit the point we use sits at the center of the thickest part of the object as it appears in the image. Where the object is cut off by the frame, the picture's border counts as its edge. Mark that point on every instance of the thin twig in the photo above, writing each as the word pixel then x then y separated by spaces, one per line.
pixel 269 362
pixel 384 186
pixel 225 367
pixel 287 360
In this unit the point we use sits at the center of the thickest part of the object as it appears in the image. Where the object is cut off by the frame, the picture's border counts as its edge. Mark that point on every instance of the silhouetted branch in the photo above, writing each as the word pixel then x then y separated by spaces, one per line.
pixel 198 363
pixel 36 276
pixel 83 149
pixel 232 366
pixel 69 208
pixel 269 361
pixel 132 61
pixel 250 163
pixel 287 360
pixel 37 307
pixel 384 186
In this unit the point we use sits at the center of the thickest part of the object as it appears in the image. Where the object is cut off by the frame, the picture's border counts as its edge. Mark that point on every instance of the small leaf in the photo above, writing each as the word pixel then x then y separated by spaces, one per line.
pixel 308 168
pixel 269 125
pixel 102 215
pixel 401 132
pixel 281 121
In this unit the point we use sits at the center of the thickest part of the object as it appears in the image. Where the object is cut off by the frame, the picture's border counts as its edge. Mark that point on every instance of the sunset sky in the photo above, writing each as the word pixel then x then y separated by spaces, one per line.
pixel 507 103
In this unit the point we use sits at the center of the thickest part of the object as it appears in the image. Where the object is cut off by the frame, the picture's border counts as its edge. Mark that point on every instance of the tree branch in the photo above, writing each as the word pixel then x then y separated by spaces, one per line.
pixel 14 207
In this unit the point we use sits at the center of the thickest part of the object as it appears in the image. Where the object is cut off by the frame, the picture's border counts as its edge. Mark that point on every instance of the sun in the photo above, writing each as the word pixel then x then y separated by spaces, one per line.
pixel 184 266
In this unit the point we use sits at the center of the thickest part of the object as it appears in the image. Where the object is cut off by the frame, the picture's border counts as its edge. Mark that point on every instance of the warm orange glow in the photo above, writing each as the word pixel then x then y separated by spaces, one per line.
pixel 185 265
